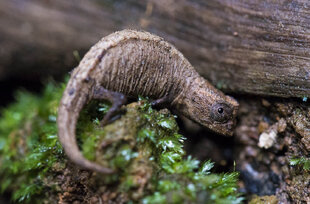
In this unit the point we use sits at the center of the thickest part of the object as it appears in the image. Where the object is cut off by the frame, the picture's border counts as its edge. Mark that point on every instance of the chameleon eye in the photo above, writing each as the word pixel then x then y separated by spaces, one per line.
pixel 221 112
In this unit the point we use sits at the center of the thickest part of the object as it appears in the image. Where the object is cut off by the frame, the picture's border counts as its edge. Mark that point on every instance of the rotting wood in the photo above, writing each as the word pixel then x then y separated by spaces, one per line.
pixel 256 47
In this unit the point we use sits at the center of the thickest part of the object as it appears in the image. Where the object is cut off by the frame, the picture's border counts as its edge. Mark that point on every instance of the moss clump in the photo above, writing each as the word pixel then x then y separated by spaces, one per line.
pixel 301 161
pixel 143 146
pixel 29 146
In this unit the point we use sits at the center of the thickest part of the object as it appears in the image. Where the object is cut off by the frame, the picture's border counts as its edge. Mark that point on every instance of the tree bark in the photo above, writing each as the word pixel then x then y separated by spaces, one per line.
pixel 254 47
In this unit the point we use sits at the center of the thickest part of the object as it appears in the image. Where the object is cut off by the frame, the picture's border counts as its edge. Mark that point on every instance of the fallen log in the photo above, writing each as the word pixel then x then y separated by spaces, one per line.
pixel 254 47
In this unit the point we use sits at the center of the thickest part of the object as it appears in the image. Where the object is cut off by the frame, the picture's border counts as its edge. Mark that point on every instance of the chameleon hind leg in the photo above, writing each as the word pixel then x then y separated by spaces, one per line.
pixel 117 99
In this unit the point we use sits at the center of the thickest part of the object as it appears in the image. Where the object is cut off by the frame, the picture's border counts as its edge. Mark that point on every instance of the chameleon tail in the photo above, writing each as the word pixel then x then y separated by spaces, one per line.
pixel 68 114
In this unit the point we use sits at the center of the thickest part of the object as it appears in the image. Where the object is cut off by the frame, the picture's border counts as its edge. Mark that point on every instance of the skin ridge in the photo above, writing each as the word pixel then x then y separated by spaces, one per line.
pixel 138 63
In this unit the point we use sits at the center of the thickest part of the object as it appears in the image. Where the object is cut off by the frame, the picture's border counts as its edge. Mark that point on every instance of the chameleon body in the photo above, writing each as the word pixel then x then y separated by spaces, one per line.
pixel 132 63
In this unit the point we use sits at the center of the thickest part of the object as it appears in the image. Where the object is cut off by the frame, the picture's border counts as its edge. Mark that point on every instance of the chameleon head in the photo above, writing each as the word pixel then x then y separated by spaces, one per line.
pixel 222 116
pixel 209 107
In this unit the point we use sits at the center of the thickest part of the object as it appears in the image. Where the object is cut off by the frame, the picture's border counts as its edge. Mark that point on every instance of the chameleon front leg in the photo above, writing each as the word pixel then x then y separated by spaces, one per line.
pixel 117 99
pixel 161 102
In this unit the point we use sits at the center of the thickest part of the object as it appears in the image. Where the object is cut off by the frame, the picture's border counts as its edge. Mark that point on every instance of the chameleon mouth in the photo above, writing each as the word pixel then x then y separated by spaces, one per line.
pixel 230 125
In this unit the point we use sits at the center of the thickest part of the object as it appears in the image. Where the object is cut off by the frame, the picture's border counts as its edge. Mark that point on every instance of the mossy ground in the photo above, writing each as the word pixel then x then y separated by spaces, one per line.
pixel 143 146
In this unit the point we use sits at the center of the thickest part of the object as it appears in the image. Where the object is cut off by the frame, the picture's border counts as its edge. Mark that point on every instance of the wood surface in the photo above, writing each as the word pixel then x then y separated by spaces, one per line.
pixel 242 46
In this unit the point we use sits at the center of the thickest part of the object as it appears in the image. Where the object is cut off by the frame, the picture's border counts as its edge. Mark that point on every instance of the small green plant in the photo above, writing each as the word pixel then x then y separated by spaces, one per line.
pixel 301 161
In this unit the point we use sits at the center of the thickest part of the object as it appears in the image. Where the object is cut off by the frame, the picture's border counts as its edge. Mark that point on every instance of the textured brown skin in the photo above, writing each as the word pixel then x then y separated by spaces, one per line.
pixel 139 63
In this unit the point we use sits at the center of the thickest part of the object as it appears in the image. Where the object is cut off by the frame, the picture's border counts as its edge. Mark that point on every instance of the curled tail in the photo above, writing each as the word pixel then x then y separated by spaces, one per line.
pixel 70 106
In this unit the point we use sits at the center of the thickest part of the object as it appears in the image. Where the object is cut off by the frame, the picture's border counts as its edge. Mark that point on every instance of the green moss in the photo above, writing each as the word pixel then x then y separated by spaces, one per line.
pixel 29 143
pixel 301 161
pixel 143 147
